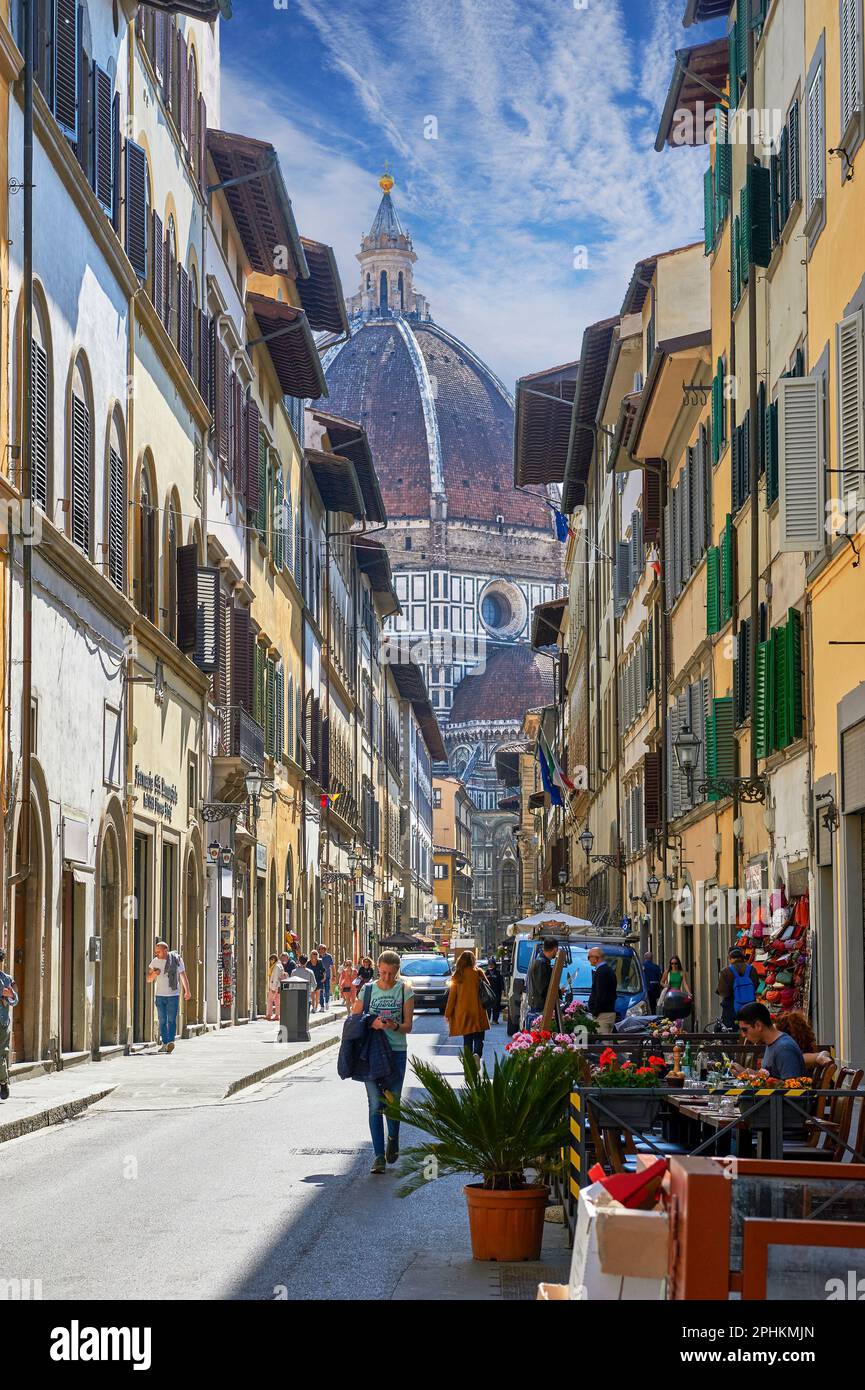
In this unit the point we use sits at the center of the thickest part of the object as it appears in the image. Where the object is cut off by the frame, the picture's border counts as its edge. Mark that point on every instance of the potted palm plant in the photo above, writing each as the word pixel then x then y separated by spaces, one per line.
pixel 506 1128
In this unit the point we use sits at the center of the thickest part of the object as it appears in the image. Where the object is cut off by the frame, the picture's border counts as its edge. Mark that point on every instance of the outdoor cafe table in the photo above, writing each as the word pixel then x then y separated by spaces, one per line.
pixel 694 1110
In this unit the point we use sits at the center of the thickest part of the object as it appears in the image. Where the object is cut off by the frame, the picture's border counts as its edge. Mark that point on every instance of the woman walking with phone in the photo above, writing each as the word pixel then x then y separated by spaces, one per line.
pixel 390 1000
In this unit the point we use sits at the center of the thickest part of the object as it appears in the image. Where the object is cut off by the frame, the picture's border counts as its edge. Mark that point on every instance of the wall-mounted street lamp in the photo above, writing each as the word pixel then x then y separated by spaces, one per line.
pixel 587 839
pixel 213 851
pixel 829 814
pixel 653 884
pixel 687 747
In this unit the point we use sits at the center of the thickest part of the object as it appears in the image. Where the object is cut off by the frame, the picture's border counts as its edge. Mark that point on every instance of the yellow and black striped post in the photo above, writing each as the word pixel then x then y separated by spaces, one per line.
pixel 575 1171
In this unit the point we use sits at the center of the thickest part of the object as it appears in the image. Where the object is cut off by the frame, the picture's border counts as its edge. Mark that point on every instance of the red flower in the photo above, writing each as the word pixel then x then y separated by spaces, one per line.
pixel 626 1066
pixel 609 1058
pixel 657 1062
pixel 545 1036
pixel 645 1071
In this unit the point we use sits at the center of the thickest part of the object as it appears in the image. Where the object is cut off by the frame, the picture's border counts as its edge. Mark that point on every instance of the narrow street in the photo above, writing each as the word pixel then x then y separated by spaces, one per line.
pixel 266 1195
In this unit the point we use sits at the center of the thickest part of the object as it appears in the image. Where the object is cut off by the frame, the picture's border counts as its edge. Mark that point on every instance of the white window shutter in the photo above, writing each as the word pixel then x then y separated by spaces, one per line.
pixel 800 463
pixel 848 374
pixel 815 139
pixel 851 64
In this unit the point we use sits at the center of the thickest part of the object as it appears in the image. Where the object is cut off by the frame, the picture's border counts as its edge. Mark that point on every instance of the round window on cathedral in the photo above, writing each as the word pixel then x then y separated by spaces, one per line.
pixel 503 609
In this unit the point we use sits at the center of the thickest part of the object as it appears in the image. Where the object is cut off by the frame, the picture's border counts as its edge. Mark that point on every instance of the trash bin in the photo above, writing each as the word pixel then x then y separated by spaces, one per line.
pixel 293 1011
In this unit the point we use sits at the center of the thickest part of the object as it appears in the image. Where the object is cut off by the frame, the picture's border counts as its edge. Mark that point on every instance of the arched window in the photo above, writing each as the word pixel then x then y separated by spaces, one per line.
pixel 169 588
pixel 40 407
pixel 80 492
pixel 145 580
pixel 382 292
pixel 400 287
pixel 116 509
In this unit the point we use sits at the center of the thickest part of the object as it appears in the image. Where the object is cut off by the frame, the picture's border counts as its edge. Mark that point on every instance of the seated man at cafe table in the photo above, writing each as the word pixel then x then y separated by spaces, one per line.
pixel 783 1058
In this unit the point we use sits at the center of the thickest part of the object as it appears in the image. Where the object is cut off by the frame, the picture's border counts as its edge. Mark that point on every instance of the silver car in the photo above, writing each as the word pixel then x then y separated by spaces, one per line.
pixel 429 977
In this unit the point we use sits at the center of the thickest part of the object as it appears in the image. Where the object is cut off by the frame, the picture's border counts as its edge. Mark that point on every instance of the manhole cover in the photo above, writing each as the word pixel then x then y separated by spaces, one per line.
pixel 520 1282
pixel 319 1153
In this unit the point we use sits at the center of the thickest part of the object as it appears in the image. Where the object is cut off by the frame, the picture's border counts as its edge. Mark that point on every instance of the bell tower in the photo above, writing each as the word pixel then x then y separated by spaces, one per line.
pixel 386 260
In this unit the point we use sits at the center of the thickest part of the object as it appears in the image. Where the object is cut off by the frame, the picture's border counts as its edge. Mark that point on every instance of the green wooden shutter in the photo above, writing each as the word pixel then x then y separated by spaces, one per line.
pixel 771 453
pixel 708 212
pixel 713 590
pixel 745 246
pixel 733 52
pixel 258 684
pixel 791 131
pixel 782 725
pixel 723 155
pixel 711 753
pixel 725 739
pixel 270 706
pixel 278 521
pixel 793 673
pixel 761 701
pixel 742 41
pixel 716 422
pixel 263 499
pixel 759 184
pixel 735 268
pixel 279 710
pixel 727 572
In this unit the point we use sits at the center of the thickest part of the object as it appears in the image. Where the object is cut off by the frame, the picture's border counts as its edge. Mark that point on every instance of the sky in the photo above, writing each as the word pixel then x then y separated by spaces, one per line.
pixel 545 115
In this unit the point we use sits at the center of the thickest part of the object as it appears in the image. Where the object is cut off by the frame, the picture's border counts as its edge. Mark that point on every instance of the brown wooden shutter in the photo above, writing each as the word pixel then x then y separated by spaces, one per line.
pixel 39 424
pixel 183 283
pixel 210 397
pixel 102 162
pixel 156 253
pixel 191 108
pixel 251 482
pixel 66 58
pixel 169 278
pixel 203 382
pixel 187 597
pixel 167 60
pixel 182 114
pixel 651 505
pixel 117 520
pixel 222 368
pixel 116 157
pixel 239 439
pixel 652 786
pixel 222 680
pixel 202 146
pixel 157 52
pixel 241 659
pixel 136 208
pixel 80 480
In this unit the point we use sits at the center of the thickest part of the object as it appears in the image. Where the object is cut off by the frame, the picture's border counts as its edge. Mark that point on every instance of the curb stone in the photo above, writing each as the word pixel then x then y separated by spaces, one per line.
pixel 55 1115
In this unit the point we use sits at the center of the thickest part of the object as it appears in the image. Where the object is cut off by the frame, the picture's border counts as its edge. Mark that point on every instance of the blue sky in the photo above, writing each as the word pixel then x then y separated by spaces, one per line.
pixel 546 118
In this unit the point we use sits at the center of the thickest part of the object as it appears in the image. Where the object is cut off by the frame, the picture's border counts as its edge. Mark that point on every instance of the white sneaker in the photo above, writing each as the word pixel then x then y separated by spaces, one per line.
pixel 162 1048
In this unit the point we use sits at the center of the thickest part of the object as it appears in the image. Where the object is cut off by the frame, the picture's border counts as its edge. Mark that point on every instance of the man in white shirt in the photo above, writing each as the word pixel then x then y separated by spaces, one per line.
pixel 302 972
pixel 169 972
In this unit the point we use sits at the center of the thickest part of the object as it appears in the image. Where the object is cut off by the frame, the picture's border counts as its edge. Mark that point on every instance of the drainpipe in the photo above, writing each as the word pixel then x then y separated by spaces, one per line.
pixel 616 721
pixel 753 433
pixel 23 874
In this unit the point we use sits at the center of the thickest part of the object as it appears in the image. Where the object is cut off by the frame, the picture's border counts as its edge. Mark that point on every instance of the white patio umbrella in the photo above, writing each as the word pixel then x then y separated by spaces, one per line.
pixel 550 915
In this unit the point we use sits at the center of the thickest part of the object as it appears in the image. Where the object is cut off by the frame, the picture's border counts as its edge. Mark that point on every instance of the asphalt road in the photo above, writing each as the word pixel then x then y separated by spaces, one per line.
pixel 266 1195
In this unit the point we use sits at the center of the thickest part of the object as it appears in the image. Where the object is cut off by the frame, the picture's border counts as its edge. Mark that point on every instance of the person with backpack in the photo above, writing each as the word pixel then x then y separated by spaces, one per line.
pixel 169 972
pixel 737 986
pixel 465 1010
pixel 391 1002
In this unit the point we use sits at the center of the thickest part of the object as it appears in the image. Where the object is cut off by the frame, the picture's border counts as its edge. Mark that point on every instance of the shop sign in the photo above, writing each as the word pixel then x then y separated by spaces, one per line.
pixel 359 902
pixel 261 858
pixel 158 796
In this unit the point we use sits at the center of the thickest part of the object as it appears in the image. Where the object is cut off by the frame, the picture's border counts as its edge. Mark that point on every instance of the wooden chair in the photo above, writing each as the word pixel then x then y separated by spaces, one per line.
pixel 833 1130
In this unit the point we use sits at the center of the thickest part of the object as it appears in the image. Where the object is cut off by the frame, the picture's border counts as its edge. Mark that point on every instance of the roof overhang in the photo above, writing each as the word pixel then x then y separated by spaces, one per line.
pixel 349 439
pixel 590 381
pixel 620 460
pixel 411 685
pixel 508 803
pixel 542 422
pixel 537 800
pixel 547 622
pixel 507 765
pixel 337 483
pixel 372 557
pixel 253 188
pixel 675 364
pixel 701 11
pixel 635 295
pixel 207 10
pixel 321 294
pixel 696 87
pixel 286 333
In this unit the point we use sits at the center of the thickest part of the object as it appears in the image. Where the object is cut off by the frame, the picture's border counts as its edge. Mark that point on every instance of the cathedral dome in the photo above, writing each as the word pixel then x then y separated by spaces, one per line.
pixel 439 421
pixel 516 678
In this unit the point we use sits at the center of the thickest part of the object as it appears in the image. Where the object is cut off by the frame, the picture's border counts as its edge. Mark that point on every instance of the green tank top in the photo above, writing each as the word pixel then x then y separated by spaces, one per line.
pixel 674 979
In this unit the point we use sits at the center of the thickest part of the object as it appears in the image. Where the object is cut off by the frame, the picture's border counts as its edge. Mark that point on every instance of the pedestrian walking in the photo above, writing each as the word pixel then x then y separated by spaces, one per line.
pixel 347 992
pixel 652 976
pixel 169 972
pixel 288 962
pixel 327 961
pixel 496 981
pixel 8 1000
pixel 467 1018
pixel 737 986
pixel 363 975
pixel 316 965
pixel 390 1000
pixel 276 975
pixel 303 972
pixel 602 996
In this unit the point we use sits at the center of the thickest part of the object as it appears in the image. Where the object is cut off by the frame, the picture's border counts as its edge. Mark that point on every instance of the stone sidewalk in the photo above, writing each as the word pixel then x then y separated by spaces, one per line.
pixel 201 1071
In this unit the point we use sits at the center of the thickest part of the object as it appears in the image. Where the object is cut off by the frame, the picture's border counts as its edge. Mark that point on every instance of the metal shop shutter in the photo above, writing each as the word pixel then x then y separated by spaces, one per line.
pixel 853 768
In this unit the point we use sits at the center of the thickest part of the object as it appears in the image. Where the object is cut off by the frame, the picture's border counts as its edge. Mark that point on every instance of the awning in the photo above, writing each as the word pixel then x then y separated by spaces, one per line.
pixel 372 557
pixel 537 800
pixel 291 346
pixel 508 803
pixel 701 11
pixel 693 69
pixel 542 424
pixel 321 294
pixel 547 622
pixel 337 483
pixel 349 439
pixel 411 685
pixel 507 763
pixel 260 205
pixel 662 399
pixel 590 381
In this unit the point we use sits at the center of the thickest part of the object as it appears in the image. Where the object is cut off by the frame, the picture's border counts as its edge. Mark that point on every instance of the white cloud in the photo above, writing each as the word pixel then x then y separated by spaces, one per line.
pixel 546 118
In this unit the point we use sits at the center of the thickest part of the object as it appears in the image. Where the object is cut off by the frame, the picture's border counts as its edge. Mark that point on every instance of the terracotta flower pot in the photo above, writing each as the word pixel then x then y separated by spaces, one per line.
pixel 506 1225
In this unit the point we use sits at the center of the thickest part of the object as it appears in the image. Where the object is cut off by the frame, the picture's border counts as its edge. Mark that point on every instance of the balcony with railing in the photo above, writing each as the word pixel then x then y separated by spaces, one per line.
pixel 240 738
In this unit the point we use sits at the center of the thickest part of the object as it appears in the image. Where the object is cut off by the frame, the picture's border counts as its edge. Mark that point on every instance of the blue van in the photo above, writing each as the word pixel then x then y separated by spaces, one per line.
pixel 631 994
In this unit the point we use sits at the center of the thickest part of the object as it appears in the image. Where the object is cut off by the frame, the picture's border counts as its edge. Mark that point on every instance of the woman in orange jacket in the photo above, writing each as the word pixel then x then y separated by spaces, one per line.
pixel 467 1018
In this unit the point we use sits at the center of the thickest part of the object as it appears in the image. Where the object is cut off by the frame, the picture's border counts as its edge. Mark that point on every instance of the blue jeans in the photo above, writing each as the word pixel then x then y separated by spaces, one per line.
pixel 167 1006
pixel 326 991
pixel 375 1099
